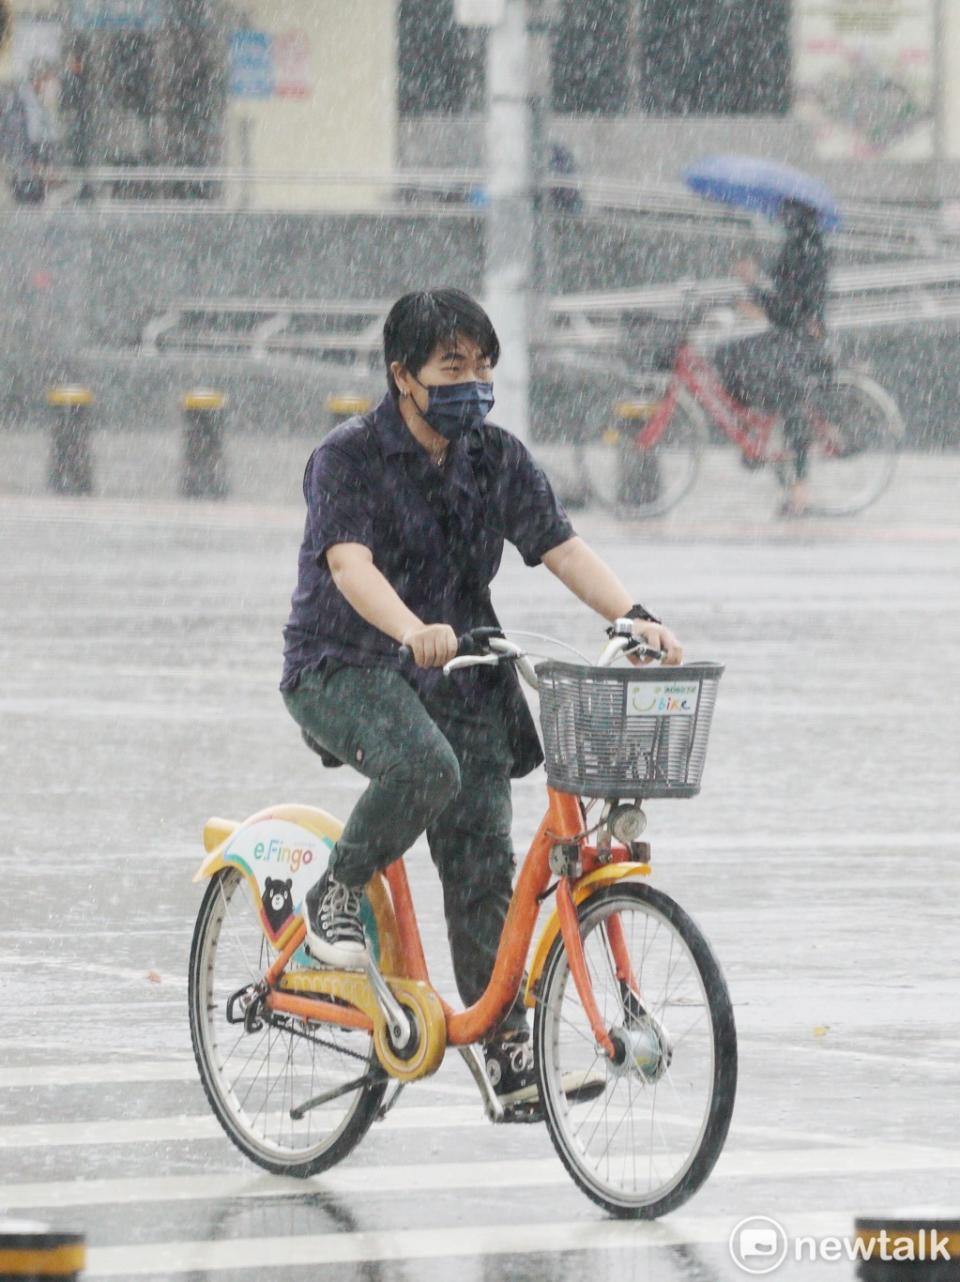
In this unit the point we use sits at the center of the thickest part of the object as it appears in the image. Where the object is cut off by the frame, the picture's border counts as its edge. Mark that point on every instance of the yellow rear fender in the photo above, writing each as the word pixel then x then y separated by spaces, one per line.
pixel 584 888
pixel 281 852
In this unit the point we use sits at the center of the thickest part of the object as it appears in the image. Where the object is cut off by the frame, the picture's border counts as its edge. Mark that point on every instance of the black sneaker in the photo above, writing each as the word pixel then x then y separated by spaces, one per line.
pixel 334 930
pixel 512 1073
pixel 513 1076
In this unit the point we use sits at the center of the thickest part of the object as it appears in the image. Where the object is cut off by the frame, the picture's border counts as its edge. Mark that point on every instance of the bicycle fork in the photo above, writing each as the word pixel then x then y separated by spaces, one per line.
pixel 640 1042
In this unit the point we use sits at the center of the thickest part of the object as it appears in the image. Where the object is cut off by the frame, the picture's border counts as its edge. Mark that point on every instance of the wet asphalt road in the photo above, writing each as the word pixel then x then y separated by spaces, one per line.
pixel 139 654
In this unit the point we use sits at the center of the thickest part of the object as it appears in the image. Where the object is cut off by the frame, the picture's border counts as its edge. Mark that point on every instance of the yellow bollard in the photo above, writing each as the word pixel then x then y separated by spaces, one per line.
pixel 638 479
pixel 204 471
pixel 32 1252
pixel 340 408
pixel 924 1247
pixel 71 467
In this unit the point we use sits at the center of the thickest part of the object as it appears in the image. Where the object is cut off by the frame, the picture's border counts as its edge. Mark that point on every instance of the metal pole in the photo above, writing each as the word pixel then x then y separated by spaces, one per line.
pixel 939 102
pixel 509 244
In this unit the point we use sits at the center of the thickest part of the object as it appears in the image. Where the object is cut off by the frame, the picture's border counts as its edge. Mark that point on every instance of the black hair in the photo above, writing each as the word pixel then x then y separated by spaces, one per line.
pixel 800 219
pixel 418 322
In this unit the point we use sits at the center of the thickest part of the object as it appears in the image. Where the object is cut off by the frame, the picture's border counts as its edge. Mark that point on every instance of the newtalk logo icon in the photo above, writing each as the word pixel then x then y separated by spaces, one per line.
pixel 759 1245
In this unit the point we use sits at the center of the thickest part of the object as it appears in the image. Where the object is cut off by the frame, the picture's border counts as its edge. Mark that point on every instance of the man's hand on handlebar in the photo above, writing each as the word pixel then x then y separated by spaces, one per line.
pixel 657 637
pixel 431 645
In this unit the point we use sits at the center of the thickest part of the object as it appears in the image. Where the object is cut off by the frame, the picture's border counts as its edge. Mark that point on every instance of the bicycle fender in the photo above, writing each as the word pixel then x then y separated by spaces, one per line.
pixel 219 835
pixel 584 888
pixel 287 846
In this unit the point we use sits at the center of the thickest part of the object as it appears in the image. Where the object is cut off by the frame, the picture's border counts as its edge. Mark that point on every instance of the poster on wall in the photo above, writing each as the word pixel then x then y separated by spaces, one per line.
pixel 251 65
pixel 291 61
pixel 864 76
pixel 266 64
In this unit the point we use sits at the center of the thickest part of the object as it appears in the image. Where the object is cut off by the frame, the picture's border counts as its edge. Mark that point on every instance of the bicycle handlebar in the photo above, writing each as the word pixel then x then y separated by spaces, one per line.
pixel 488 647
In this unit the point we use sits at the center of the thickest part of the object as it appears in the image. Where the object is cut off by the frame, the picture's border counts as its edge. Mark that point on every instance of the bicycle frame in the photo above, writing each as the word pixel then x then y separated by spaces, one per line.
pixel 401 949
pixel 748 429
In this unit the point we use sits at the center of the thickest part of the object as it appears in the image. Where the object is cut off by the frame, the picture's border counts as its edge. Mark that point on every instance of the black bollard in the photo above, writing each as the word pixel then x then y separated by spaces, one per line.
pixel 71 466
pixel 204 471
pixel 31 1252
pixel 340 408
pixel 921 1248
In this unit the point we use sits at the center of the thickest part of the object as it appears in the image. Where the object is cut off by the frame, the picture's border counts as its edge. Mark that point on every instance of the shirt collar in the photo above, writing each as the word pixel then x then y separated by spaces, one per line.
pixel 396 438
pixel 394 434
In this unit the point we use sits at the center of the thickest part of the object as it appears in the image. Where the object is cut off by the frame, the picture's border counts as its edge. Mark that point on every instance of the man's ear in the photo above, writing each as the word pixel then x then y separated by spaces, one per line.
pixel 400 371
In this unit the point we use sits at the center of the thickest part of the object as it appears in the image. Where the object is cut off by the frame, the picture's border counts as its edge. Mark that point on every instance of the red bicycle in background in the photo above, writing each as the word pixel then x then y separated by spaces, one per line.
pixel 647 456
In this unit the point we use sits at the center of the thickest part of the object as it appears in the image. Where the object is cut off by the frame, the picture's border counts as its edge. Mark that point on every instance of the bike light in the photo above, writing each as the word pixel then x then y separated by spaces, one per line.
pixel 626 823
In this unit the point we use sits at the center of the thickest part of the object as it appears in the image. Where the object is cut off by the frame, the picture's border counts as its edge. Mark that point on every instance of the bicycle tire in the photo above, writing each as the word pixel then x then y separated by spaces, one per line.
pixel 635 1203
pixel 861 469
pixel 206 990
pixel 639 484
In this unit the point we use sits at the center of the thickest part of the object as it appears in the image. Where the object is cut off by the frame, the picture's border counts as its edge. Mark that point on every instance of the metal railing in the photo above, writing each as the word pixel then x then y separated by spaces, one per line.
pixel 859 298
pixel 868 227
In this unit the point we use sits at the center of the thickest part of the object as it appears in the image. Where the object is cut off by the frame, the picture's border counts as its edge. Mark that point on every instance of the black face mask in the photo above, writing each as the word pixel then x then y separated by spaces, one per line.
pixel 455 408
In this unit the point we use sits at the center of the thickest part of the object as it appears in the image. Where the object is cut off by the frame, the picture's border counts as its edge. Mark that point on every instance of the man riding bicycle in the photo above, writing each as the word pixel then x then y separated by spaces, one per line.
pixel 408 508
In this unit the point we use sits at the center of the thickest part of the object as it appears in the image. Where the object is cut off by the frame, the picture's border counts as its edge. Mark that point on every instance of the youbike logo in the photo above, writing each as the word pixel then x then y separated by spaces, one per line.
pixel 275 852
pixel 677 698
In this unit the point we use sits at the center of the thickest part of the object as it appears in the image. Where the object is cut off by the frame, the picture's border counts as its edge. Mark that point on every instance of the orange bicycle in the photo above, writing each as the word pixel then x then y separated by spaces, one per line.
pixel 298 1061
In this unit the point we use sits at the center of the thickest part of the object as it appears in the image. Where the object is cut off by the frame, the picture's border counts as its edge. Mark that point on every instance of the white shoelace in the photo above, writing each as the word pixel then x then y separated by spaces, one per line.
pixel 340 914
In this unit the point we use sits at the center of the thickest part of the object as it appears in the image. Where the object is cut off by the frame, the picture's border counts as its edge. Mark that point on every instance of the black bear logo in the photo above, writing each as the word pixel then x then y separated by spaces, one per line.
pixel 277 902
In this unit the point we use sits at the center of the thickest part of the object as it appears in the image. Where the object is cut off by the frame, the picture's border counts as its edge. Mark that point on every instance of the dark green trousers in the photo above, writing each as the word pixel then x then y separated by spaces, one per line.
pixel 433 767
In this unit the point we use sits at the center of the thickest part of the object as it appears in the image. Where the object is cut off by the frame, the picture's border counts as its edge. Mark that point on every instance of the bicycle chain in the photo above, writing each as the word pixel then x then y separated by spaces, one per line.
pixel 280 1021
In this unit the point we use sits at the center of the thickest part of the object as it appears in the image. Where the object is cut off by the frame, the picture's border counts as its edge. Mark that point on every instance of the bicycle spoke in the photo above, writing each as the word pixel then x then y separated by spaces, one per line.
pixel 257 1077
pixel 635 1142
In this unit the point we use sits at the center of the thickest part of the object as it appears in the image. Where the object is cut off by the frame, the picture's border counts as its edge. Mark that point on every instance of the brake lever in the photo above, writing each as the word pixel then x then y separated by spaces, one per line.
pixel 644 651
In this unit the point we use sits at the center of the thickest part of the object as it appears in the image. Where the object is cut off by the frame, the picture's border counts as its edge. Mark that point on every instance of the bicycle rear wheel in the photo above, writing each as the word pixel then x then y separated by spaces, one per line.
pixel 650 1139
pixel 855 434
pixel 255 1072
pixel 637 483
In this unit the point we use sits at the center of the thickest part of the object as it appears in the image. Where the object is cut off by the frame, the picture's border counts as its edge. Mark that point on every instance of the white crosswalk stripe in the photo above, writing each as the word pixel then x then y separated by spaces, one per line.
pixel 440 1176
pixel 173 1258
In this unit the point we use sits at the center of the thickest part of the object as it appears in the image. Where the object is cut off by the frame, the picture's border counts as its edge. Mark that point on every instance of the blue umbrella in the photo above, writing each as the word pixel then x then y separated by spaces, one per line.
pixel 761 185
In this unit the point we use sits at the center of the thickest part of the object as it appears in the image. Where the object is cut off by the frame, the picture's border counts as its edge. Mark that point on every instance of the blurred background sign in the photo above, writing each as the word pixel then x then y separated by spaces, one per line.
pixel 251 64
pixel 865 76
pixel 136 15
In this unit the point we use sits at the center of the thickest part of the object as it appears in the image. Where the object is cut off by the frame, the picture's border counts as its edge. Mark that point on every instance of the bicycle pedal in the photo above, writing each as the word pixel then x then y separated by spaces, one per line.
pixel 584 1094
pixel 523 1113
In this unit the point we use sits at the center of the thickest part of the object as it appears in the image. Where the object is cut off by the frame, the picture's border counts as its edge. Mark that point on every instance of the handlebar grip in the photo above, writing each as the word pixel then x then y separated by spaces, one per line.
pixel 406 654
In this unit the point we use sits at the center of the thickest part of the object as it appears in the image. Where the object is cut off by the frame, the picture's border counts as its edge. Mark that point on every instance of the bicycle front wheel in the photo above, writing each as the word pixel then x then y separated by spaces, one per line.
pixel 257 1071
pixel 855 432
pixel 644 1144
pixel 638 483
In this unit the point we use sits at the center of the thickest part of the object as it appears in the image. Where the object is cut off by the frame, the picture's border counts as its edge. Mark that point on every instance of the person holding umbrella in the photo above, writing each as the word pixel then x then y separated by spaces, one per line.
pixel 775 370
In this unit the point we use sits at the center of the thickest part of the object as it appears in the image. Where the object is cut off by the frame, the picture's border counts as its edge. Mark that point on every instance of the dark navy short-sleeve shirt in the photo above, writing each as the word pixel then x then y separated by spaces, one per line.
pixel 436 536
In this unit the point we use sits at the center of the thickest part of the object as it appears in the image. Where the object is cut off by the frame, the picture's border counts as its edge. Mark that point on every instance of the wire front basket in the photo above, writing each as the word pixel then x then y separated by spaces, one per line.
pixel 626 732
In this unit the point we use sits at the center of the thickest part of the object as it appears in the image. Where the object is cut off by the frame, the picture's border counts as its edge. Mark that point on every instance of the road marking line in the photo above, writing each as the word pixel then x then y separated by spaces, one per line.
pixel 205 1126
pixel 425 1117
pixel 410 1244
pixel 172 1070
pixel 825 1049
pixel 437 1176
